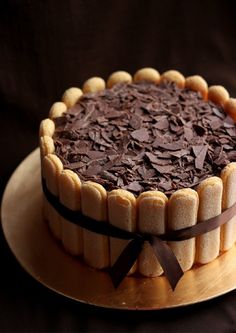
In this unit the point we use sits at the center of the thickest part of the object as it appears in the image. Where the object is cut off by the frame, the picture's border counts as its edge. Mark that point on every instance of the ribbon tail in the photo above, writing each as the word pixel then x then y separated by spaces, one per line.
pixel 167 260
pixel 126 260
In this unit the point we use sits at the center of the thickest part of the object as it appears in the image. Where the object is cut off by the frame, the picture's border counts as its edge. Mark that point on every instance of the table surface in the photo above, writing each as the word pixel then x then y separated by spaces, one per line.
pixel 47 47
pixel 25 305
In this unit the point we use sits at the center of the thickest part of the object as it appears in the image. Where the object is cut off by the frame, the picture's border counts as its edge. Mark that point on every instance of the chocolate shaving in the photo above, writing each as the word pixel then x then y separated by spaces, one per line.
pixel 200 154
pixel 135 121
pixel 94 154
pixel 188 133
pixel 134 187
pixel 171 146
pixel 180 153
pixel 140 135
pixel 199 129
pixel 163 169
pixel 143 136
pixel 152 158
pixel 162 124
pixel 215 123
pixel 108 175
pixel 93 170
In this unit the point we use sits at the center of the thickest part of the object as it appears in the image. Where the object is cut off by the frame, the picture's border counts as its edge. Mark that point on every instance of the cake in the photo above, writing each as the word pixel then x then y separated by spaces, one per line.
pixel 153 155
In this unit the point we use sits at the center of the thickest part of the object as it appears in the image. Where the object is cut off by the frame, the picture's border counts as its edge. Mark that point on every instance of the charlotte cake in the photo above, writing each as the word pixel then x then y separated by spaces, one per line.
pixel 167 195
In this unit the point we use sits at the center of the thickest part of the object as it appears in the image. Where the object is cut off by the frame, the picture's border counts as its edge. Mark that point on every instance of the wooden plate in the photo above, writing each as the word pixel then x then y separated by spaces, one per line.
pixel 44 258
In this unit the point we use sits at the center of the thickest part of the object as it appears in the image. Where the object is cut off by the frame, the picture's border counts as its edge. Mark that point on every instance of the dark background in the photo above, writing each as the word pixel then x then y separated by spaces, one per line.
pixel 49 46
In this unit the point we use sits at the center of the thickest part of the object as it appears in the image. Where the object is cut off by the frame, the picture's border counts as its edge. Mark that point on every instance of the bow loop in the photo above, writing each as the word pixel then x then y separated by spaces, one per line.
pixel 126 260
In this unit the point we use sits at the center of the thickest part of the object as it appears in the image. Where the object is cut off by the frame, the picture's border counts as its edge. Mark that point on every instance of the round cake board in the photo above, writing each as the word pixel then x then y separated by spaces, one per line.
pixel 45 259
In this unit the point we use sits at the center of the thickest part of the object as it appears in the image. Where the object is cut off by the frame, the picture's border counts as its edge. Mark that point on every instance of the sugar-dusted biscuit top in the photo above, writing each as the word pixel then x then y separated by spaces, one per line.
pixel 218 95
pixel 57 109
pixel 147 74
pixel 173 76
pixel 71 96
pixel 230 107
pixel 94 84
pixel 119 76
pixel 197 83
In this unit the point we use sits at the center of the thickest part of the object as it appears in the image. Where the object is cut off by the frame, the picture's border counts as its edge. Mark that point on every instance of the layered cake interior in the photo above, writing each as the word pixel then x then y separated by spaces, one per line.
pixel 149 154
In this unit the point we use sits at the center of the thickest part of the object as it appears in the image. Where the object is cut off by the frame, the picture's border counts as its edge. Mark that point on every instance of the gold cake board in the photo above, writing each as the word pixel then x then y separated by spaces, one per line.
pixel 44 258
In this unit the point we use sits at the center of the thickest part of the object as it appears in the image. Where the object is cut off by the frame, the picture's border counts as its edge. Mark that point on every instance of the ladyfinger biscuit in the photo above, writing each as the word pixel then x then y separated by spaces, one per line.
pixel 47 127
pixel 197 83
pixel 218 95
pixel 230 108
pixel 182 213
pixel 94 205
pixel 71 96
pixel 119 76
pixel 152 214
pixel 147 74
pixel 228 230
pixel 52 167
pixel 46 145
pixel 173 76
pixel 122 214
pixel 69 193
pixel 57 109
pixel 94 84
pixel 210 197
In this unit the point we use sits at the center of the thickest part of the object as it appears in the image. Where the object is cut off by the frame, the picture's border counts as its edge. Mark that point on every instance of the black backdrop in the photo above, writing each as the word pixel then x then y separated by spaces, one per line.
pixel 48 46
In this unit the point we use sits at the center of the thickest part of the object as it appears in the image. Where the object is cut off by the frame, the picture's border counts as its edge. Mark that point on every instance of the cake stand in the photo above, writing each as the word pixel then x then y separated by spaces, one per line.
pixel 45 260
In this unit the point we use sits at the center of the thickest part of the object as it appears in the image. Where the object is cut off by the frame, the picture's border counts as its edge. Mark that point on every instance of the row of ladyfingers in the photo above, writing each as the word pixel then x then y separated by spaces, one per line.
pixel 151 213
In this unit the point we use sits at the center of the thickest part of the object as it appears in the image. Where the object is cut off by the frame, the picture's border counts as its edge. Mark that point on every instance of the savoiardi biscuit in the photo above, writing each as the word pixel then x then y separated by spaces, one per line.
pixel 122 214
pixel 218 94
pixel 47 127
pixel 93 204
pixel 57 110
pixel 46 145
pixel 117 77
pixel 230 107
pixel 147 74
pixel 93 84
pixel 70 196
pixel 152 217
pixel 51 169
pixel 197 83
pixel 182 213
pixel 228 231
pixel 71 96
pixel 173 76
pixel 210 202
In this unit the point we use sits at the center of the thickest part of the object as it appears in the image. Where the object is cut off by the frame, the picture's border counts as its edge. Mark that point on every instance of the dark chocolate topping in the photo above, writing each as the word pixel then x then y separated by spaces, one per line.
pixel 145 137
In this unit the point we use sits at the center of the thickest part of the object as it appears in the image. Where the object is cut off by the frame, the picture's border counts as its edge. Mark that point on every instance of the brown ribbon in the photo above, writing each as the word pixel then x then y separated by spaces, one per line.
pixel 129 255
